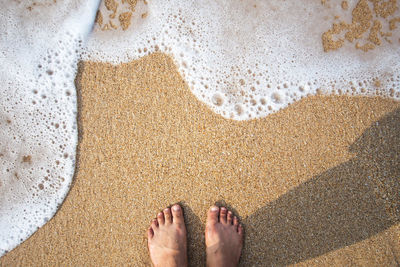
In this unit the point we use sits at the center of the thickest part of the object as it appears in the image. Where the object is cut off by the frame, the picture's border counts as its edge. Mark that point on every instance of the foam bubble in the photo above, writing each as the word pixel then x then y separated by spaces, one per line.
pixel 217 99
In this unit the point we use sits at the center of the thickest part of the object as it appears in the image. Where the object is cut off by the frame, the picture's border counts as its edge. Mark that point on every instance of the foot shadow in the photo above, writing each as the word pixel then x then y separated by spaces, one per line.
pixel 343 205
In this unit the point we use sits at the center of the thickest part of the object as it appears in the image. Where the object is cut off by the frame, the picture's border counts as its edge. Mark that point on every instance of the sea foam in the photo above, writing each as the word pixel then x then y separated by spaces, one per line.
pixel 40 44
pixel 247 59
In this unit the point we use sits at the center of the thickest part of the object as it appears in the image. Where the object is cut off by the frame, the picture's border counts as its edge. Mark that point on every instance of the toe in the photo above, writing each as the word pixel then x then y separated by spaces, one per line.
pixel 168 216
pixel 236 222
pixel 160 218
pixel 150 233
pixel 177 215
pixel 212 215
pixel 222 215
pixel 154 224
pixel 230 217
pixel 241 231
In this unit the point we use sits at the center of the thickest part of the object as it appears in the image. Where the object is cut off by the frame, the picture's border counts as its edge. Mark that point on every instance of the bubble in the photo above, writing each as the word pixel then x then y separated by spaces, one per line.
pixel 239 109
pixel 277 98
pixel 217 100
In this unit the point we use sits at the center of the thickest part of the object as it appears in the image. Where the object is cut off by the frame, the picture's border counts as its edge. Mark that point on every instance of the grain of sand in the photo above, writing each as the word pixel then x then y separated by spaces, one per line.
pixel 314 184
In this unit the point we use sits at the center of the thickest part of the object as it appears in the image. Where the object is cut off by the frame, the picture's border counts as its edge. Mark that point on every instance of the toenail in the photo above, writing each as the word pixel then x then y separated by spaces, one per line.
pixel 214 208
pixel 176 207
pixel 223 208
pixel 160 214
pixel 166 210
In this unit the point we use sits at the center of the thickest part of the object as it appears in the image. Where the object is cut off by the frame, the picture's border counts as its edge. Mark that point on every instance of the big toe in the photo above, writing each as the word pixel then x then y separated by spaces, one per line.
pixel 177 214
pixel 212 216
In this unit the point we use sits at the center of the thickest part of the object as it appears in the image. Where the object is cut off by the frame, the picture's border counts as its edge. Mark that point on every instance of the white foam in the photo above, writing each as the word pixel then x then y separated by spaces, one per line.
pixel 247 51
pixel 40 45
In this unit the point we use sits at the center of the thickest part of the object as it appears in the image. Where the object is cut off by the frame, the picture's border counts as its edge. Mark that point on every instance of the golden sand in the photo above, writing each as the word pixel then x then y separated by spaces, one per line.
pixel 314 184
pixel 366 26
pixel 114 7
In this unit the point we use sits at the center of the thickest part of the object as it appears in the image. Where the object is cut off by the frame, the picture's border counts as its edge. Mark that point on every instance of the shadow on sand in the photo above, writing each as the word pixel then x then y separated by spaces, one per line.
pixel 343 205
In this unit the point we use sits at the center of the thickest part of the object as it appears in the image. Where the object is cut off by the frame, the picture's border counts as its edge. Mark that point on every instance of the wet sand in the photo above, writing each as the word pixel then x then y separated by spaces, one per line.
pixel 314 184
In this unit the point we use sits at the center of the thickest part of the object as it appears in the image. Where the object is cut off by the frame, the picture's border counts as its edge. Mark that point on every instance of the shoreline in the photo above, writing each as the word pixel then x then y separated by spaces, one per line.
pixel 130 152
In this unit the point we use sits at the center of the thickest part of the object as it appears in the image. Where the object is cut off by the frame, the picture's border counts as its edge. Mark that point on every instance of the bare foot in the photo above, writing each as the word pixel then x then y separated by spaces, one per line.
pixel 167 238
pixel 224 238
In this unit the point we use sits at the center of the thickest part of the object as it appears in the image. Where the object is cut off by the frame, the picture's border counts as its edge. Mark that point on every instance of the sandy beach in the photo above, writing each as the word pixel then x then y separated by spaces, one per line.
pixel 316 183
